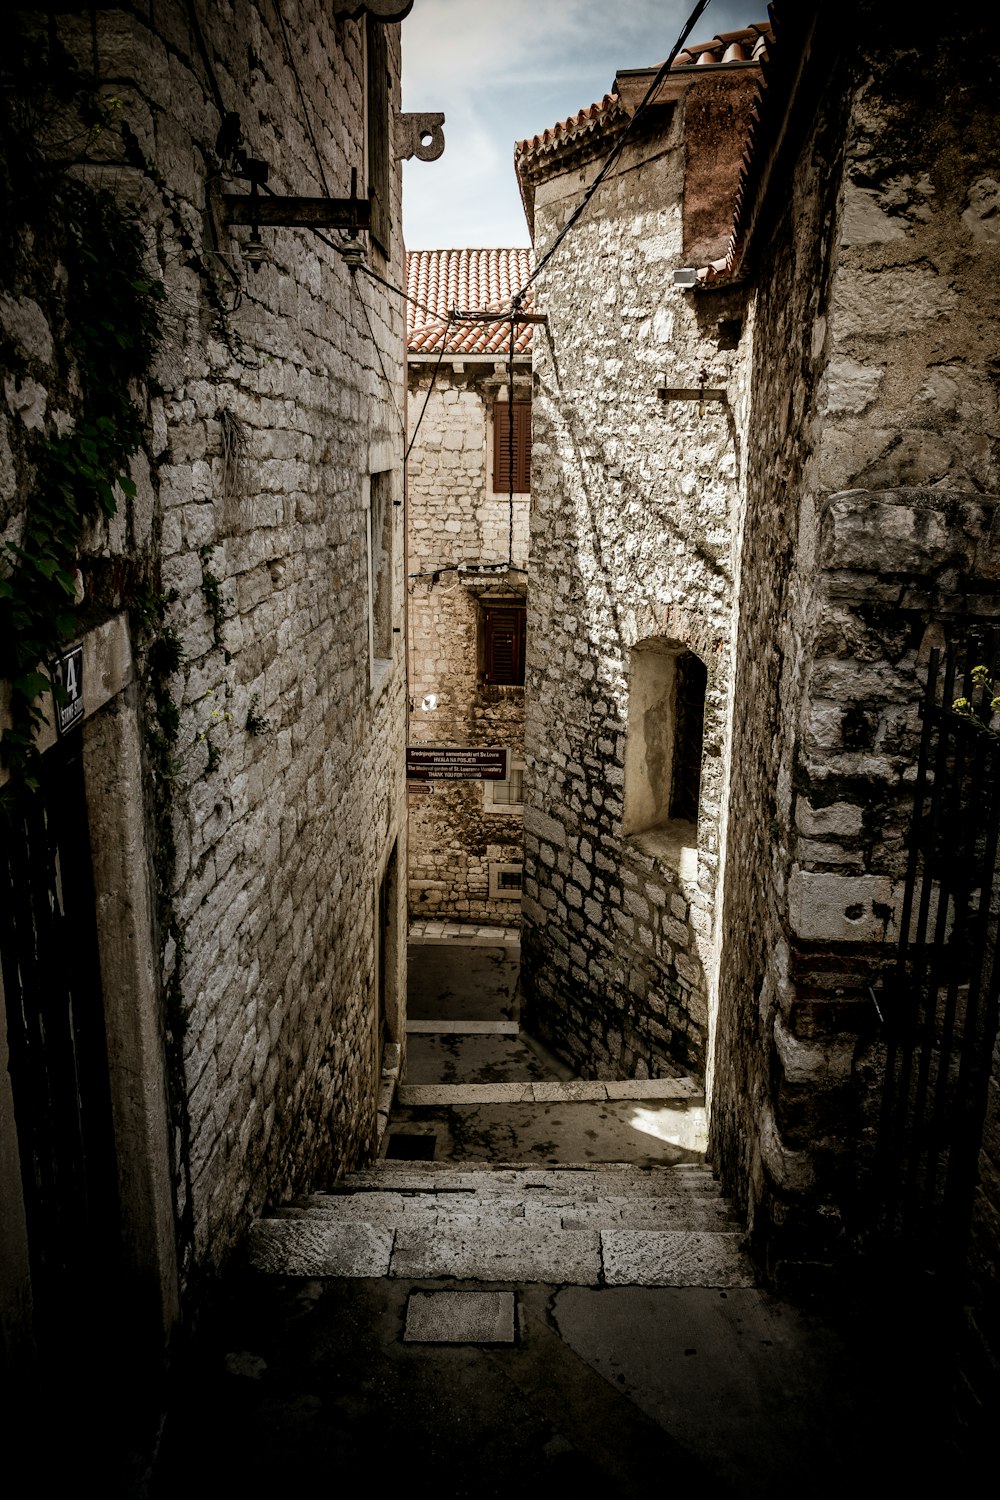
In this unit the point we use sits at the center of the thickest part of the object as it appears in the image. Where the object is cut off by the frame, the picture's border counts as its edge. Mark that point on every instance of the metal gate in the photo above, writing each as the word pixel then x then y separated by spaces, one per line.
pixel 941 1004
pixel 58 1050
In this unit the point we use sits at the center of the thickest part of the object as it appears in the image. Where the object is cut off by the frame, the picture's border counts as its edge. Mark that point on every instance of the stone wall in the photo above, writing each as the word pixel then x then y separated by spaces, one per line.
pixel 865 539
pixel 270 407
pixel 630 541
pixel 460 553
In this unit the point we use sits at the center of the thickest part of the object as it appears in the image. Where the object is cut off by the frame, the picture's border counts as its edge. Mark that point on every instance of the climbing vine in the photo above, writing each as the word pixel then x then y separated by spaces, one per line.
pixel 112 333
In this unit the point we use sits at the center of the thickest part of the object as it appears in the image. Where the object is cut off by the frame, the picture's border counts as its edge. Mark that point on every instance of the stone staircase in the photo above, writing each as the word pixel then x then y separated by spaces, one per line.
pixel 532 1176
pixel 585 1225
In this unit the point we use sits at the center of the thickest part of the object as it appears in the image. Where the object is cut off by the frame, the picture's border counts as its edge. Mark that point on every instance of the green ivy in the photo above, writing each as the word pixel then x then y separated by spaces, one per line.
pixel 114 323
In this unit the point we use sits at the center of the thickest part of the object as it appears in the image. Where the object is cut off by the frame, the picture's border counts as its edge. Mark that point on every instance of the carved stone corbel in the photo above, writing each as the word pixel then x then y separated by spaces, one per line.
pixel 409 136
pixel 382 10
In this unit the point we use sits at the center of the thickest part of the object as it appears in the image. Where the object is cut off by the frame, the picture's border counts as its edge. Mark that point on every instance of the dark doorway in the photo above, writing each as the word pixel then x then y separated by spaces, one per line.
pixel 388 953
pixel 58 1056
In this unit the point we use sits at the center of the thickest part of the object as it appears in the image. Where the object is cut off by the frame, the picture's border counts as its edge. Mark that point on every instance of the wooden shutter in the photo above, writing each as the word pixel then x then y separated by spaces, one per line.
pixel 378 133
pixel 522 447
pixel 503 644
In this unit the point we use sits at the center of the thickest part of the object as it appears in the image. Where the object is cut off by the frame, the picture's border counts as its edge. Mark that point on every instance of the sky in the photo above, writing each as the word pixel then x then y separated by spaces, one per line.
pixel 501 70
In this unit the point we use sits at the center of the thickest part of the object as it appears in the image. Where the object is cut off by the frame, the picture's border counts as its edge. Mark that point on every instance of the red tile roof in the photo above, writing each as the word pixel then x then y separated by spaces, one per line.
pixel 605 112
pixel 746 45
pixel 470 281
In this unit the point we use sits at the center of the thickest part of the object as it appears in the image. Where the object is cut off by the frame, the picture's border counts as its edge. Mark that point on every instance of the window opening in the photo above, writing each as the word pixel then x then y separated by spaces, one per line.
pixel 522 447
pixel 663 750
pixel 508 795
pixel 378 132
pixel 380 516
pixel 505 881
pixel 502 642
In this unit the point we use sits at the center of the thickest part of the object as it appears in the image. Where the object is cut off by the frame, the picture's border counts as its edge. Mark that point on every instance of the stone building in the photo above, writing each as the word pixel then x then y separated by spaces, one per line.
pixel 635 484
pixel 204 902
pixel 771 447
pixel 468 476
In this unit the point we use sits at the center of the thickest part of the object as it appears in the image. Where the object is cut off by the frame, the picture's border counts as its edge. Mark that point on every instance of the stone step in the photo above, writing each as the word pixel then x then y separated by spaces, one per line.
pixel 579 1179
pixel 575 1091
pixel 635 1211
pixel 581 1257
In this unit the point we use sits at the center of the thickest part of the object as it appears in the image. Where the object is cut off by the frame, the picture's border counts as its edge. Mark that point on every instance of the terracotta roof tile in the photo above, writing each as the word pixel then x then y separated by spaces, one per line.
pixel 470 281
pixel 746 45
pixel 586 122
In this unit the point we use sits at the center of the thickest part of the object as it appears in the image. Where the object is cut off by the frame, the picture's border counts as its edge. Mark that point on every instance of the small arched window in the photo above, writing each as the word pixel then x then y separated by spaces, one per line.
pixel 666 720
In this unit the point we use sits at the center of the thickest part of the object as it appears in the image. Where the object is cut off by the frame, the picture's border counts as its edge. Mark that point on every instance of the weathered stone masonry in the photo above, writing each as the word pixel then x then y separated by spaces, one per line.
pixel 467 546
pixel 633 496
pixel 268 413
pixel 867 523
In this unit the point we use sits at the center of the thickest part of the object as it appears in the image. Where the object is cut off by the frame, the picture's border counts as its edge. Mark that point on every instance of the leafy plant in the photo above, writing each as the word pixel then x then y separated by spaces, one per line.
pixel 80 475
pixel 987 687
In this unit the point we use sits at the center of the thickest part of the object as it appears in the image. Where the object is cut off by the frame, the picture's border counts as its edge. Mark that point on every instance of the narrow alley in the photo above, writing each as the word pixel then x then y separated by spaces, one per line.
pixel 538 1284
pixel 499 748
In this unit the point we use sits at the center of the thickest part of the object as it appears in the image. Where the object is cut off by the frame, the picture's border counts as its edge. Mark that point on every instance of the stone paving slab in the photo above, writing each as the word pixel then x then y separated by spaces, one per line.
pixel 580 1088
pixel 459 1059
pixel 579 1179
pixel 287 1247
pixel 654 1088
pixel 462 1028
pixel 413 1095
pixel 459 1318
pixel 554 1255
pixel 537 1207
pixel 554 1092
pixel 681 1212
pixel 428 1210
pixel 636 1257
pixel 463 932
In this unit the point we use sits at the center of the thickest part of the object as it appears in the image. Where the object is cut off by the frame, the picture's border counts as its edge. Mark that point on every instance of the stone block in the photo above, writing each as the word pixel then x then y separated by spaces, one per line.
pixel 295 1247
pixel 637 1257
pixel 547 1255
pixel 459 1318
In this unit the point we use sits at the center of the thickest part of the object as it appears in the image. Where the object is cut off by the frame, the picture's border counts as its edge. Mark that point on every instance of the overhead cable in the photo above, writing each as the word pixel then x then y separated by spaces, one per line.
pixel 378 352
pixel 301 94
pixel 430 388
pixel 615 151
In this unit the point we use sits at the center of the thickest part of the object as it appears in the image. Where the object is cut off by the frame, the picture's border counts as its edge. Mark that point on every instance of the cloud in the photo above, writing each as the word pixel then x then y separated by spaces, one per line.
pixel 500 73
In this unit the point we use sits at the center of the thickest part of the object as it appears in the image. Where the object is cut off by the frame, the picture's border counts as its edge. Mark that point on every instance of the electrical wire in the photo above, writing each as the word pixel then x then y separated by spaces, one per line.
pixel 378 352
pixel 202 45
pixel 301 94
pixel 510 443
pixel 430 388
pixel 430 311
pixel 614 153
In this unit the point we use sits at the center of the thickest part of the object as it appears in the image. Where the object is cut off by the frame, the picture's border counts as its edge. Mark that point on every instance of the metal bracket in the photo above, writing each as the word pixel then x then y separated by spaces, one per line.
pixel 418 135
pixel 273 210
pixel 296 213
pixel 697 393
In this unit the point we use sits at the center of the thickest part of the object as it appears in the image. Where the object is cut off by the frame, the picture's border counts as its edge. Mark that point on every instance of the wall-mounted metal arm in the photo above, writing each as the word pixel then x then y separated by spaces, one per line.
pixel 292 213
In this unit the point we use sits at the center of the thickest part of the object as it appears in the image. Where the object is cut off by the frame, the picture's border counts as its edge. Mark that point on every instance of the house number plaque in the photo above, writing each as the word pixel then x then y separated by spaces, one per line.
pixel 67 672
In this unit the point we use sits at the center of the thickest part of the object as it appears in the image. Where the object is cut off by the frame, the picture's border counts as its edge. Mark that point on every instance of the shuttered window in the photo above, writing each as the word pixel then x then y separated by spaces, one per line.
pixel 502 639
pixel 378 132
pixel 522 447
